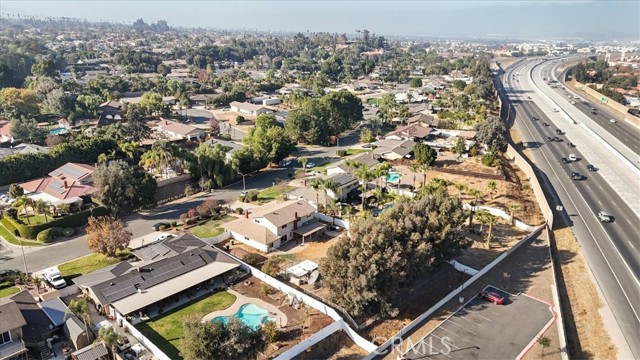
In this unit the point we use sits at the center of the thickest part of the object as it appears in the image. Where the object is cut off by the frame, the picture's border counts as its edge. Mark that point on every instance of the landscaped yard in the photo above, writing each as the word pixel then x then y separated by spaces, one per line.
pixel 166 332
pixel 356 151
pixel 211 228
pixel 9 237
pixel 35 219
pixel 274 192
pixel 9 291
pixel 90 263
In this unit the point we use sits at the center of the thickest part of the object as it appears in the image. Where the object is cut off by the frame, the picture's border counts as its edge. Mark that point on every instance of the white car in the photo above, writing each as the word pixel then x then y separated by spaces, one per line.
pixel 573 157
pixel 573 103
pixel 53 277
pixel 310 165
pixel 612 121
pixel 164 237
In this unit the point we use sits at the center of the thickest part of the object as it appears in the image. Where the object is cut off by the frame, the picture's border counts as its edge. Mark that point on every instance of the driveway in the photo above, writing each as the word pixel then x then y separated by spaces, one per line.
pixel 483 330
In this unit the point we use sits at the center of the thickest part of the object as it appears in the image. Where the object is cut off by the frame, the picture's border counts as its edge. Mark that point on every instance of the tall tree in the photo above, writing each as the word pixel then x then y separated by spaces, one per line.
pixel 121 187
pixel 80 307
pixel 27 130
pixel 15 191
pixel 44 67
pixel 109 337
pixel 106 235
pixel 425 154
pixel 217 340
pixel 18 103
pixel 492 133
pixel 270 139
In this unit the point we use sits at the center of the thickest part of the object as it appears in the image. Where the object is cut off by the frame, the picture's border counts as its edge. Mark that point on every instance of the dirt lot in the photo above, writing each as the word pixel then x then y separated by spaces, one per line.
pixel 335 346
pixel 480 255
pixel 593 340
pixel 301 323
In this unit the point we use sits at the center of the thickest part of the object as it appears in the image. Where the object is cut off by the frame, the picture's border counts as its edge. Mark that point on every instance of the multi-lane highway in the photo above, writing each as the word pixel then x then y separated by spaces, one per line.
pixel 612 250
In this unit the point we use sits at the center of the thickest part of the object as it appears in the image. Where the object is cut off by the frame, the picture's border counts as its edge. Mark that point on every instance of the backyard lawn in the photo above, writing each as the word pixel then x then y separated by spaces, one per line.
pixel 34 219
pixel 9 291
pixel 274 192
pixel 90 263
pixel 165 331
pixel 211 228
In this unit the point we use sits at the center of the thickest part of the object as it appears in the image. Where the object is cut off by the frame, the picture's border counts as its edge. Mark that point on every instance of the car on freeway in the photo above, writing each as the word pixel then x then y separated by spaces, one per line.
pixel 164 237
pixel 592 168
pixel 533 118
pixel 554 110
pixel 592 108
pixel 545 124
pixel 565 160
pixel 604 216
pixel 571 145
pixel 573 103
pixel 310 165
pixel 612 121
pixel 557 139
pixel 577 176
pixel 573 157
pixel 156 226
pixel 492 297
pixel 559 132
pixel 594 113
pixel 549 139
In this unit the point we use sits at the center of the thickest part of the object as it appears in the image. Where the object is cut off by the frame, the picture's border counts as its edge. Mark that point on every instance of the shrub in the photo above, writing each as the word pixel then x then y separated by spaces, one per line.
pixel 161 228
pixel 341 153
pixel 252 259
pixel 70 221
pixel 68 232
pixel 46 235
pixel 489 159
pixel 264 290
pixel 173 223
pixel 252 195
pixel 473 151
pixel 216 216
pixel 240 119
pixel 189 190
pixel 239 210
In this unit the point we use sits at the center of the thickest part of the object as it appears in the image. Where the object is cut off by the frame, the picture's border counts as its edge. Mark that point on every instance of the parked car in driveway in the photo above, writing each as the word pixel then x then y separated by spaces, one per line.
pixel 310 165
pixel 492 297
pixel 156 226
pixel 53 277
pixel 164 237
pixel 604 216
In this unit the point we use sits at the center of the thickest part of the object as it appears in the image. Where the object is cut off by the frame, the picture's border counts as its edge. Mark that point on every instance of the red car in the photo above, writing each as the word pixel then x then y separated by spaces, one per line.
pixel 493 297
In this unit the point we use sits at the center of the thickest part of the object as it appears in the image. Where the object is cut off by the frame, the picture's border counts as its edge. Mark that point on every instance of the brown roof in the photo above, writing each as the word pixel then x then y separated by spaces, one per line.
pixel 176 127
pixel 5 127
pixel 412 131
pixel 10 315
pixel 283 212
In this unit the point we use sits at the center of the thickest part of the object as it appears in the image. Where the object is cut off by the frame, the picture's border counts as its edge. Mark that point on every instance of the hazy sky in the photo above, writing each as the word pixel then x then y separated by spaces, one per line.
pixel 530 19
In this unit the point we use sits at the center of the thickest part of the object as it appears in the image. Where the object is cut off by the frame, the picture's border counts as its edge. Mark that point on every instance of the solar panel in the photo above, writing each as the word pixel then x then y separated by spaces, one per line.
pixel 121 294
pixel 168 275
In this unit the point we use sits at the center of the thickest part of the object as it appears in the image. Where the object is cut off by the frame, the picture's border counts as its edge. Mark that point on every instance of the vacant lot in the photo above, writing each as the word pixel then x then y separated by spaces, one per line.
pixel 166 332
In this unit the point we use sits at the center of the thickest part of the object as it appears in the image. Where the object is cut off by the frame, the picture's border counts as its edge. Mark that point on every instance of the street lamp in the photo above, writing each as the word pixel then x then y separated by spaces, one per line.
pixel 244 185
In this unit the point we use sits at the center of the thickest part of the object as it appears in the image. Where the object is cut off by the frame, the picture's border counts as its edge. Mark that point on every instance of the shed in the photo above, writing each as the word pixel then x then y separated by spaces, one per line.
pixel 74 330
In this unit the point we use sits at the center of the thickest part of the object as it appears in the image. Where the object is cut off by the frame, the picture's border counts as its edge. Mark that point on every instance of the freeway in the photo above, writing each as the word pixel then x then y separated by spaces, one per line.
pixel 627 133
pixel 611 249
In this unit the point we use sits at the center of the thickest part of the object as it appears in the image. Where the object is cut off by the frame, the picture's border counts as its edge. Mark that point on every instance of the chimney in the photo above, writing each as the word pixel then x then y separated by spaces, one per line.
pixel 65 184
pixel 246 214
pixel 295 215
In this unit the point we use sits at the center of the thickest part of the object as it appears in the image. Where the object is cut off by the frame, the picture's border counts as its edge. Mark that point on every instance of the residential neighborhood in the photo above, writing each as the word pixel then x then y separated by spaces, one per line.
pixel 175 190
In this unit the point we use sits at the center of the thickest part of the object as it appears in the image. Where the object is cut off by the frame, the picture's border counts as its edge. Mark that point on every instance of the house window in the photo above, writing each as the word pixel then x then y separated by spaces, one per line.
pixel 284 226
pixel 6 337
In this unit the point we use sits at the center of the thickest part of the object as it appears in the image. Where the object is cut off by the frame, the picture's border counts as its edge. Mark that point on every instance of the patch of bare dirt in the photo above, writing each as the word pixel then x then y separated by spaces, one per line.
pixel 335 346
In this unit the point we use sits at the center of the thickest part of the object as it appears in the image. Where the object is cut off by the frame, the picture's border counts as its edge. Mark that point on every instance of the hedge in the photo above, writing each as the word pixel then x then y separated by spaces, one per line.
pixel 69 221
pixel 47 235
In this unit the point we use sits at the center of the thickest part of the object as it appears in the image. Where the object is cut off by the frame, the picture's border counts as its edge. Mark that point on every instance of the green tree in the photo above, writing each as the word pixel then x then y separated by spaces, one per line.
pixel 513 208
pixel 415 83
pixel 544 342
pixel 163 156
pixel 152 102
pixel 491 220
pixel 121 187
pixel 459 85
pixel 304 161
pixel 15 191
pixel 271 332
pixel 210 166
pixel 366 135
pixel 163 69
pixel 459 147
pixel 44 67
pixel 27 130
pixel 273 265
pixel 270 139
pixel 80 307
pixel 492 133
pixel 18 103
pixel 492 187
pixel 42 207
pixel 23 202
pixel 425 154
pixel 109 337
pixel 217 340
pixel 87 105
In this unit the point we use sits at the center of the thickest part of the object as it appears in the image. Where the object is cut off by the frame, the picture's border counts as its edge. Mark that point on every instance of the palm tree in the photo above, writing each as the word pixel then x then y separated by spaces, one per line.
pixel 130 148
pixel 476 195
pixel 424 169
pixel 80 307
pixel 513 208
pixel 162 155
pixel 492 187
pixel 303 162
pixel 332 209
pixel 481 216
pixel 42 207
pixel 415 167
pixel 110 338
pixel 491 221
pixel 24 202
pixel 317 184
pixel 365 175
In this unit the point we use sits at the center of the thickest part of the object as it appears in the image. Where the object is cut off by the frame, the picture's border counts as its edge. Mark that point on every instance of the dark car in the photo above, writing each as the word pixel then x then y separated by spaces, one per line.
pixel 549 139
pixel 557 139
pixel 592 168
pixel 594 113
pixel 6 275
pixel 565 160
pixel 157 226
pixel 559 132
pixel 492 297
pixel 545 124
pixel 571 145
pixel 577 176
pixel 533 117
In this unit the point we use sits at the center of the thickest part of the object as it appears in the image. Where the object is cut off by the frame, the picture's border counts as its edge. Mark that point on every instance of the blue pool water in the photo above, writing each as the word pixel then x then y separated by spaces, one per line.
pixel 377 212
pixel 57 131
pixel 250 314
pixel 393 177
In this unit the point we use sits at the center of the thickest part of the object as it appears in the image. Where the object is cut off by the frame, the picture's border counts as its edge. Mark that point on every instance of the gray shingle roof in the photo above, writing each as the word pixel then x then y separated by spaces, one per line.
pixel 91 352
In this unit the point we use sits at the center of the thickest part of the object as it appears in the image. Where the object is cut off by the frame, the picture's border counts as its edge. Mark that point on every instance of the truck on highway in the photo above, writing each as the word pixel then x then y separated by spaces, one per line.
pixel 53 277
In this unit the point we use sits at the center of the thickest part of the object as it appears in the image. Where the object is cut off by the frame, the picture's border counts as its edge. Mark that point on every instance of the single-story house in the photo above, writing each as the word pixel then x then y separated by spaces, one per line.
pixel 11 324
pixel 345 183
pixel 394 149
pixel 369 159
pixel 269 226
pixel 415 132
pixel 175 130
pixel 248 108
pixel 202 99
pixel 23 149
pixel 110 108
pixel 168 268
pixel 65 184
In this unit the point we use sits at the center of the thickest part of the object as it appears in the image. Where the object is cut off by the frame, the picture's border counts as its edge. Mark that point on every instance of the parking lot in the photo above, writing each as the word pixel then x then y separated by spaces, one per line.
pixel 483 330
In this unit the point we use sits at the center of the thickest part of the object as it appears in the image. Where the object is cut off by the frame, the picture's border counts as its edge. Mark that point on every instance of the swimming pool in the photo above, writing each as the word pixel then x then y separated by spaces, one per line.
pixel 250 314
pixel 57 131
pixel 393 177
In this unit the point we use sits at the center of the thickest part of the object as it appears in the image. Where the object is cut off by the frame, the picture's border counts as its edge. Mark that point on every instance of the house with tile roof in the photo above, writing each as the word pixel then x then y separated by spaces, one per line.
pixel 269 226
pixel 65 184
pixel 177 131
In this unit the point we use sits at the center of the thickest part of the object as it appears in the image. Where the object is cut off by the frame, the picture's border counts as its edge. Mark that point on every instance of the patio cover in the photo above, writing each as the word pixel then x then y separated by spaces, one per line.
pixel 310 229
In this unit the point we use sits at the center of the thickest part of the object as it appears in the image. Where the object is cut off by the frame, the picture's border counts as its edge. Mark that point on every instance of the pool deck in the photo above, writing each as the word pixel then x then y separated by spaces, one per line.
pixel 274 312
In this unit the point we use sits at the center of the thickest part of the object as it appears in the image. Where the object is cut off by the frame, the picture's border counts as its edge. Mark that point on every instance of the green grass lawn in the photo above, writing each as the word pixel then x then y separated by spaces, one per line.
pixel 356 151
pixel 321 167
pixel 273 192
pixel 35 219
pixel 165 331
pixel 87 264
pixel 211 228
pixel 9 291
pixel 373 101
pixel 7 235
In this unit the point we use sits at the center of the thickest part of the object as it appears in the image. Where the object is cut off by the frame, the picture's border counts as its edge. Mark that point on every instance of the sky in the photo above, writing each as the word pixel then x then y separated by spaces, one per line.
pixel 595 20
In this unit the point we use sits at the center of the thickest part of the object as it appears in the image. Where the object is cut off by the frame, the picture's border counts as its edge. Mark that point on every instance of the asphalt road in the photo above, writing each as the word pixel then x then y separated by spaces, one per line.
pixel 611 250
pixel 627 133
pixel 483 330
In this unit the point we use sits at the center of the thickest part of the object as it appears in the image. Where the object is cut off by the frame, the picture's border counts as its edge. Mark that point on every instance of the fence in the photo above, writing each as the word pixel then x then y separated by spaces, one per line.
pixel 463 268
pixel 499 213
pixel 613 105
pixel 143 340
pixel 469 173
pixel 451 295
pixel 331 220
